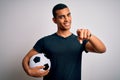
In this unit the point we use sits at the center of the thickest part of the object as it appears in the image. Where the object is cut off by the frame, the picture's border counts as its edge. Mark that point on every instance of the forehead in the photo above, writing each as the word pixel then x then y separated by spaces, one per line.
pixel 64 11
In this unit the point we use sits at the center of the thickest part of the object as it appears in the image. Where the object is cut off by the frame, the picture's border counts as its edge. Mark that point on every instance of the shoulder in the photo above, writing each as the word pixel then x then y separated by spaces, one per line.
pixel 73 35
pixel 47 37
pixel 44 39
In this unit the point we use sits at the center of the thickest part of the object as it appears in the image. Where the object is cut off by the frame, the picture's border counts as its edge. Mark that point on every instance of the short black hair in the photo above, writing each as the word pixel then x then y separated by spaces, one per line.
pixel 58 7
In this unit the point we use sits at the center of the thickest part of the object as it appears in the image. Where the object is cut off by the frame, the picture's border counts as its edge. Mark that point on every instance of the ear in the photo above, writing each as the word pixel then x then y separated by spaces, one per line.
pixel 54 20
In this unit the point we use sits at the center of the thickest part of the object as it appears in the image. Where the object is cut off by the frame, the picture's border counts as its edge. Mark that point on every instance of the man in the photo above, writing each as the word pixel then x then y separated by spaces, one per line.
pixel 63 48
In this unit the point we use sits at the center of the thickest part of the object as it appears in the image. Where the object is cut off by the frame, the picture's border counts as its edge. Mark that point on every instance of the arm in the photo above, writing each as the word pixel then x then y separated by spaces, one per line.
pixel 35 72
pixel 94 44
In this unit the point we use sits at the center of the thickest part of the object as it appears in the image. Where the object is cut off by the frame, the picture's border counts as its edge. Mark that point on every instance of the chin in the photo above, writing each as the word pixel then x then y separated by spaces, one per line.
pixel 67 28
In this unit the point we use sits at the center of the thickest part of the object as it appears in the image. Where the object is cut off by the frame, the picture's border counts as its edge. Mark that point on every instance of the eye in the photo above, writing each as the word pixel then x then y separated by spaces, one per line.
pixel 61 16
pixel 69 14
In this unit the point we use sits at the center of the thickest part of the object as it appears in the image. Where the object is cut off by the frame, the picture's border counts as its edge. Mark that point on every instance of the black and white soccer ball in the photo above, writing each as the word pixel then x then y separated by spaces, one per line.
pixel 40 60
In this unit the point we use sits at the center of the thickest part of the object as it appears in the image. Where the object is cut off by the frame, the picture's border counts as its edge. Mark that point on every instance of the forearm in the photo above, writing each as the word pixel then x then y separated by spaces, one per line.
pixel 25 64
pixel 97 44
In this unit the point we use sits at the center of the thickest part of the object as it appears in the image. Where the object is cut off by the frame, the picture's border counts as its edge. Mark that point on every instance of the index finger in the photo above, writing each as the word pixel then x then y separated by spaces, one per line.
pixel 40 67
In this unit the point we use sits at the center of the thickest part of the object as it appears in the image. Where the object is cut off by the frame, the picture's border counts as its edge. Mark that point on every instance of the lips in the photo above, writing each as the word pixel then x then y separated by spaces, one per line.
pixel 67 24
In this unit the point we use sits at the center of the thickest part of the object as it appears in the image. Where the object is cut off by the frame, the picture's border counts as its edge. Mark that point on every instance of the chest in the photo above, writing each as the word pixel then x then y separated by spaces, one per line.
pixel 63 47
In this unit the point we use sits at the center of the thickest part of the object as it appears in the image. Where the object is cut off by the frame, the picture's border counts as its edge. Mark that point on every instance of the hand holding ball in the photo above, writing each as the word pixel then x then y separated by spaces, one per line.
pixel 40 60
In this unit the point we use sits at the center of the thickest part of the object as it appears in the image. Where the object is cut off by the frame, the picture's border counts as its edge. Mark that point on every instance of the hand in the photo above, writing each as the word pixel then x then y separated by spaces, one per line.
pixel 36 72
pixel 83 34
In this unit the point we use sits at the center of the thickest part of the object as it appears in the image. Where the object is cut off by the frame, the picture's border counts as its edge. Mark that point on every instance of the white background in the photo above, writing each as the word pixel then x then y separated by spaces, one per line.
pixel 23 22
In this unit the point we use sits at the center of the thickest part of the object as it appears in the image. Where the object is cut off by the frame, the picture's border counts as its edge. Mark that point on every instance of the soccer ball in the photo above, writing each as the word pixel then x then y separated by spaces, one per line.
pixel 40 60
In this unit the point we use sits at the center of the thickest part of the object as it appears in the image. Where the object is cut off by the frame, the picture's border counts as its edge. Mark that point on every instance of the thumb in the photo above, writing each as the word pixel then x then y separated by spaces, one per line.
pixel 81 41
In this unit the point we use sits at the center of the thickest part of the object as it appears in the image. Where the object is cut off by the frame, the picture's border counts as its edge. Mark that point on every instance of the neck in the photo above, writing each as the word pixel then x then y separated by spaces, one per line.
pixel 64 33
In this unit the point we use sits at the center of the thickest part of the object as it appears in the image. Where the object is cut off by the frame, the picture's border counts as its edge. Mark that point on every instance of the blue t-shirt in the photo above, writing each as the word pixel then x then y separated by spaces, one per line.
pixel 65 55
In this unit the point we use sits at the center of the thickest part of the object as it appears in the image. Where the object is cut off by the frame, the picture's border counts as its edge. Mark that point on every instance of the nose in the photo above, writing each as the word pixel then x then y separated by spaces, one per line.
pixel 66 19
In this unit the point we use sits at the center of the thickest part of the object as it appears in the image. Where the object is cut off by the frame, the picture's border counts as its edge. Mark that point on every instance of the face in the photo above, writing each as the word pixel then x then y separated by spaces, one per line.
pixel 63 19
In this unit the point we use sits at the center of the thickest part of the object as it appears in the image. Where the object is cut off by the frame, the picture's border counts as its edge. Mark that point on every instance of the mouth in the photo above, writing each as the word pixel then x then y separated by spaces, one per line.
pixel 67 24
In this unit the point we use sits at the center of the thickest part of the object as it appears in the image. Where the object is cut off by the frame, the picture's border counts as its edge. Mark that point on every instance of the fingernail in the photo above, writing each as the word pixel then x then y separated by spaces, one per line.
pixel 81 41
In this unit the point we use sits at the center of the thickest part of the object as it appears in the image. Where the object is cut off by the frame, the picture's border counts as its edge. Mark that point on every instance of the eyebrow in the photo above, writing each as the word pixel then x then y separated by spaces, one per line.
pixel 69 13
pixel 64 15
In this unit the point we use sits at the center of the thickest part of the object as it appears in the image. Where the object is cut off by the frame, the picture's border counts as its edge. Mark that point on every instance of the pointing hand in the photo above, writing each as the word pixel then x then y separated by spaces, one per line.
pixel 83 34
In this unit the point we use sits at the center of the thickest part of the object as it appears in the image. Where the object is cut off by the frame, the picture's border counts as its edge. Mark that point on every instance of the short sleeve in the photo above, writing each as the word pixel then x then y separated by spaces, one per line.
pixel 39 45
pixel 84 43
